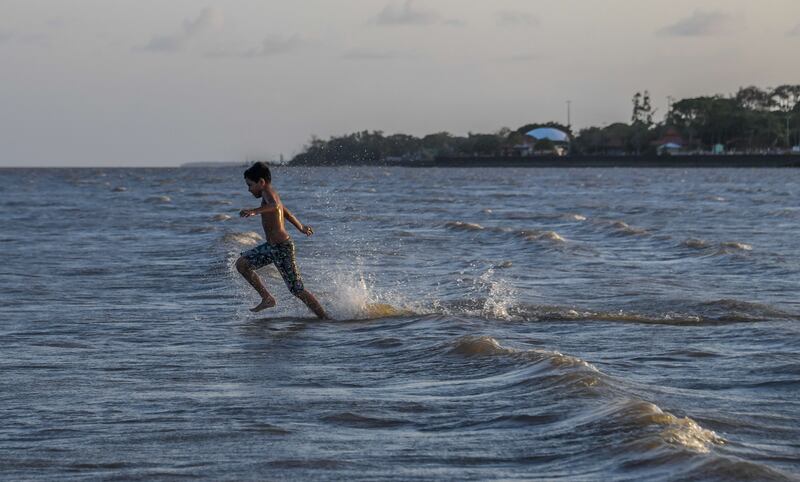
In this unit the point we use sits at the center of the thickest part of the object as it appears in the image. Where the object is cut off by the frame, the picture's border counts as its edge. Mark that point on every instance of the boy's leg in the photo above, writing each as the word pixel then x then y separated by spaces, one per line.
pixel 267 300
pixel 311 301
pixel 287 266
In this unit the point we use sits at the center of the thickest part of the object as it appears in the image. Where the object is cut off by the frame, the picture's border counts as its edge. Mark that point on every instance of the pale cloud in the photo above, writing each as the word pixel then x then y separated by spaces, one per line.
pixel 272 45
pixel 699 24
pixel 166 43
pixel 454 22
pixel 412 73
pixel 29 39
pixel 56 23
pixel 363 54
pixel 210 20
pixel 522 57
pixel 514 18
pixel 275 45
pixel 406 14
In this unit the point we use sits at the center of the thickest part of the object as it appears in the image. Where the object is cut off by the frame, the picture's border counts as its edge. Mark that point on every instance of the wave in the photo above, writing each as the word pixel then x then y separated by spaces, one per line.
pixel 501 307
pixel 717 249
pixel 625 229
pixel 462 226
pixel 249 238
pixel 159 199
pixel 221 217
pixel 734 246
pixel 486 345
pixel 703 313
pixel 526 234
pixel 732 310
pixel 652 428
pixel 542 235
pixel 695 243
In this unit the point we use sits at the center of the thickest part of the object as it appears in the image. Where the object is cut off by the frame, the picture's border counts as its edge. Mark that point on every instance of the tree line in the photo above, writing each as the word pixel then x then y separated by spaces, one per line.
pixel 751 120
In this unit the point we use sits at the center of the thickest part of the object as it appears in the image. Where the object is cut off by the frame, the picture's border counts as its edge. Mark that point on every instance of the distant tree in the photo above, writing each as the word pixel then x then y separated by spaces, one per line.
pixel 589 141
pixel 641 121
pixel 617 137
pixel 398 145
pixel 786 97
pixel 503 132
pixel 485 144
pixel 753 98
pixel 753 118
pixel 439 143
pixel 642 110
pixel 514 138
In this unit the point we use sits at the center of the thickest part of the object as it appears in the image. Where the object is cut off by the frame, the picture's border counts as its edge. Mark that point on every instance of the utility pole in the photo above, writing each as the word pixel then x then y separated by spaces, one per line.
pixel 569 114
pixel 788 136
pixel 670 100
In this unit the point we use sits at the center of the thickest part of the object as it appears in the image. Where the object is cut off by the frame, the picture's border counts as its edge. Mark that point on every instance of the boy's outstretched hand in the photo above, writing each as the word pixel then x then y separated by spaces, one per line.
pixel 246 213
pixel 307 230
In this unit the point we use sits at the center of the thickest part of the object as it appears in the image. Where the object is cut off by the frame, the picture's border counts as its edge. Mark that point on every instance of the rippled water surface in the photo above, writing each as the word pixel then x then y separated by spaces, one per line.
pixel 560 324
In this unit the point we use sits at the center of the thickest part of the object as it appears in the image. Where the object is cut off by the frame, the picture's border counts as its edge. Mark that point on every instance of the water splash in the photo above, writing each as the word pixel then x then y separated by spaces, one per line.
pixel 353 296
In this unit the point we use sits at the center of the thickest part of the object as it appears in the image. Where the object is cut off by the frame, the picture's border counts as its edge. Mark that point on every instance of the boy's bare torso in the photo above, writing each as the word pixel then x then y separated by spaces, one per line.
pixel 273 220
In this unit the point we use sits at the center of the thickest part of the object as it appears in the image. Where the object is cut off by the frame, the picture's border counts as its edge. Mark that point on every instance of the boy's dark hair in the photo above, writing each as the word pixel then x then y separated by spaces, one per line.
pixel 257 171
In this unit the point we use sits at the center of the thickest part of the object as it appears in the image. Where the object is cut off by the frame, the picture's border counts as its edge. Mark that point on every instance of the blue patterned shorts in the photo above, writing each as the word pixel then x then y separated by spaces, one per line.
pixel 282 255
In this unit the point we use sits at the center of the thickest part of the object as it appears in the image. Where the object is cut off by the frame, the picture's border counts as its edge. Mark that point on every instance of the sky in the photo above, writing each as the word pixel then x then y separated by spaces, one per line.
pixel 165 82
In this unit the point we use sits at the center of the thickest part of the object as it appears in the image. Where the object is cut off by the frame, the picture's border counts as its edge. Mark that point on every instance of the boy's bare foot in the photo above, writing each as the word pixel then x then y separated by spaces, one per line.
pixel 265 303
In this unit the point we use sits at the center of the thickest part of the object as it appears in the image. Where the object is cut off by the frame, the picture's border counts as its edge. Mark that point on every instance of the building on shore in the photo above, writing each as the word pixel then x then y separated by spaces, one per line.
pixel 544 141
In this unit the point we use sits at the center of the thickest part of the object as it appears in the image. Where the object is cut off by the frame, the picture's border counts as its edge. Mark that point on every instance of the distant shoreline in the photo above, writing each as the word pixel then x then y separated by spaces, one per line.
pixel 567 162
pixel 683 161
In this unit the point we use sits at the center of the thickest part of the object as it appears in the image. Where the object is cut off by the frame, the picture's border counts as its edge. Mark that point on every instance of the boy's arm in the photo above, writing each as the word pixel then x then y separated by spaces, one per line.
pixel 307 230
pixel 246 213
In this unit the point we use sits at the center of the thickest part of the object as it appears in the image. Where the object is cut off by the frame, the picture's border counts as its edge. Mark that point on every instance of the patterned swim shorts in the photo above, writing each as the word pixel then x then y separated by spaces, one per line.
pixel 282 255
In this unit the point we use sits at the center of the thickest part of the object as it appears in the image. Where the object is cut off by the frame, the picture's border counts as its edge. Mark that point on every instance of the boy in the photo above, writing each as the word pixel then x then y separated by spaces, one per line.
pixel 279 248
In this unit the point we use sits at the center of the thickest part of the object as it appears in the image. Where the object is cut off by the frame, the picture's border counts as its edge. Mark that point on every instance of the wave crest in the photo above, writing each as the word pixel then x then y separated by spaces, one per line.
pixel 462 226
pixel 249 238
pixel 625 229
pixel 735 246
pixel 683 432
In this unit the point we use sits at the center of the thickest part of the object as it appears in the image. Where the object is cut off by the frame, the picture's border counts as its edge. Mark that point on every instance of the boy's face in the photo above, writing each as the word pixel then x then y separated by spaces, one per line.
pixel 255 187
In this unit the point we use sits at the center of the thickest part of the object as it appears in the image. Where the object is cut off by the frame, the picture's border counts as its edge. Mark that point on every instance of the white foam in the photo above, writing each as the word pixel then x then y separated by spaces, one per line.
pixel 460 225
pixel 501 296
pixel 543 235
pixel 352 296
pixel 737 246
pixel 497 296
pixel 250 238
pixel 627 229
pixel 676 431
pixel 695 243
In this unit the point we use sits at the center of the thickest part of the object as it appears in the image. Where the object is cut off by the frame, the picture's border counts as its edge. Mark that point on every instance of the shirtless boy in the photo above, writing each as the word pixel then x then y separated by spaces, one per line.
pixel 279 248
